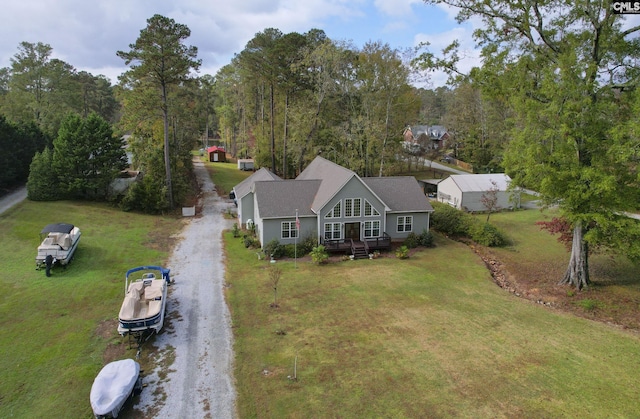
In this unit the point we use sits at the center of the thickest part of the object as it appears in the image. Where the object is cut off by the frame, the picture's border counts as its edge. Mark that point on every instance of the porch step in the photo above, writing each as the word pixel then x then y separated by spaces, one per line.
pixel 360 253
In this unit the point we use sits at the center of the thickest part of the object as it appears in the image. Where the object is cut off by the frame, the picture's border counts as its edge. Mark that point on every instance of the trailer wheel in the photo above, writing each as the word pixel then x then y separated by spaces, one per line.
pixel 48 261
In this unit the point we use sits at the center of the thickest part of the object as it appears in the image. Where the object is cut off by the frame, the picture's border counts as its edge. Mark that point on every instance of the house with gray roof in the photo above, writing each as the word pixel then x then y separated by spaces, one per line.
pixel 425 137
pixel 332 204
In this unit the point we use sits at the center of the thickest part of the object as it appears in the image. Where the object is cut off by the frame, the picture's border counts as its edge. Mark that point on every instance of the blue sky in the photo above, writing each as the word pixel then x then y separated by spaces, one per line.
pixel 87 33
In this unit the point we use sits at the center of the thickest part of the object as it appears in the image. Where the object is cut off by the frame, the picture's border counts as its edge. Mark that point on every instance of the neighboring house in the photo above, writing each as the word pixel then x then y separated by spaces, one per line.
pixel 425 137
pixel 126 178
pixel 217 154
pixel 334 205
pixel 465 191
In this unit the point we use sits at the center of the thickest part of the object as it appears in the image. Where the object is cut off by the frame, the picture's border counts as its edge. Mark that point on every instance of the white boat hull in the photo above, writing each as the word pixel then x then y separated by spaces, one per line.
pixel 144 305
pixel 59 244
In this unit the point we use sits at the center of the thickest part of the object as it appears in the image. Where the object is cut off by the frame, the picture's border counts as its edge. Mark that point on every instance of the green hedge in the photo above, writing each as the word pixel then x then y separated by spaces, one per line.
pixel 459 224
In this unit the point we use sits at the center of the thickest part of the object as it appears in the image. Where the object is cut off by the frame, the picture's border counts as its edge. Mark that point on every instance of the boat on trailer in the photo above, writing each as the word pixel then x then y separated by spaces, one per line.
pixel 145 301
pixel 114 384
pixel 59 242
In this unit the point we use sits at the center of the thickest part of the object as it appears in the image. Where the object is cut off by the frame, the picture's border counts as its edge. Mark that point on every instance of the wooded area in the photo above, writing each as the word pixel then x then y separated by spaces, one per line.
pixel 553 103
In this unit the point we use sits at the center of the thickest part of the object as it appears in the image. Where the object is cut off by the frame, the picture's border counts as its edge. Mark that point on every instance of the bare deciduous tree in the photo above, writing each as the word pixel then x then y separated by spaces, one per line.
pixel 274 279
pixel 489 199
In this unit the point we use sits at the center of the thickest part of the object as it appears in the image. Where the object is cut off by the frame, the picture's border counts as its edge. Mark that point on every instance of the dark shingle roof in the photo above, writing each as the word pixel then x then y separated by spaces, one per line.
pixel 282 199
pixel 434 132
pixel 318 183
pixel 333 177
pixel 400 193
pixel 246 185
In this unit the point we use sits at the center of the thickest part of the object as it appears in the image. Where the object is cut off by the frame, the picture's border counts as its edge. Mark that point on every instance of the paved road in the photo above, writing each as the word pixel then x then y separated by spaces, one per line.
pixel 13 198
pixel 441 167
pixel 199 382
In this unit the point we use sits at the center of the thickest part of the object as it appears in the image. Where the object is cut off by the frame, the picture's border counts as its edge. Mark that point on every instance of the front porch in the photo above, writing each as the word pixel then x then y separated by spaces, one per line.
pixel 360 249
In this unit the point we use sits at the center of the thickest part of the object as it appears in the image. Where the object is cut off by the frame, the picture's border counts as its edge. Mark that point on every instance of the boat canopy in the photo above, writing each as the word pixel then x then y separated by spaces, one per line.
pixel 57 228
pixel 164 271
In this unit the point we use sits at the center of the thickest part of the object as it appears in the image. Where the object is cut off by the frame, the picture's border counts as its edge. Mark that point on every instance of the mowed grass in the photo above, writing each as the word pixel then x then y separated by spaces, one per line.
pixel 54 331
pixel 226 175
pixel 431 336
pixel 536 261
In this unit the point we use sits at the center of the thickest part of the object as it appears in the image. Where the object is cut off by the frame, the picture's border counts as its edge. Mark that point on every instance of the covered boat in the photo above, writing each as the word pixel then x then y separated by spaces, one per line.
pixel 145 301
pixel 113 385
pixel 59 242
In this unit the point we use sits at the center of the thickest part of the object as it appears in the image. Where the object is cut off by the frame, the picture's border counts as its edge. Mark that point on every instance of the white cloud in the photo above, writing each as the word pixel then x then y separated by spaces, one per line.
pixel 397 8
pixel 87 34
pixel 463 33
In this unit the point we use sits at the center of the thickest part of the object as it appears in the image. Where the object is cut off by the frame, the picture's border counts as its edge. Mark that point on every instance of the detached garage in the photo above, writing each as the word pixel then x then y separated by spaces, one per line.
pixel 465 191
pixel 217 154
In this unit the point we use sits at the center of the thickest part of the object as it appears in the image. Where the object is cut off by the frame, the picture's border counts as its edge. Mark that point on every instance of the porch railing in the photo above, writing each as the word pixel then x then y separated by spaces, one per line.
pixel 346 245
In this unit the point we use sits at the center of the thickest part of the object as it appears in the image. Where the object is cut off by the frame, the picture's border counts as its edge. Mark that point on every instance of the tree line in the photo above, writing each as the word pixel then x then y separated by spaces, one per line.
pixel 37 93
pixel 567 75
pixel 284 99
pixel 553 103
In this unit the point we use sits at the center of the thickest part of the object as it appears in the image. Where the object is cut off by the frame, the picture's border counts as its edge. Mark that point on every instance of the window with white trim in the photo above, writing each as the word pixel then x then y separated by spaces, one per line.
pixel 371 229
pixel 335 211
pixel 289 230
pixel 332 231
pixel 405 223
pixel 369 210
pixel 352 207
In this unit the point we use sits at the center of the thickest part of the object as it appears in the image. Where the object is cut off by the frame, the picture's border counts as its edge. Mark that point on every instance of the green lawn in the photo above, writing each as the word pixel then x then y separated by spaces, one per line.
pixel 54 332
pixel 431 336
pixel 226 175
pixel 538 262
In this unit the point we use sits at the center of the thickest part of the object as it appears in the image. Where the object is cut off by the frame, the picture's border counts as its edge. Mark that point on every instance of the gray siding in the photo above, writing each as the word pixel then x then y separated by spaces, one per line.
pixel 269 201
pixel 472 201
pixel 420 223
pixel 354 188
pixel 246 209
pixel 450 193
pixel 272 229
pixel 465 191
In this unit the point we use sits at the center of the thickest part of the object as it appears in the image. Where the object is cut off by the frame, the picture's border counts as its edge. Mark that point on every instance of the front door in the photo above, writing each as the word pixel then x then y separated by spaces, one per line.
pixel 352 231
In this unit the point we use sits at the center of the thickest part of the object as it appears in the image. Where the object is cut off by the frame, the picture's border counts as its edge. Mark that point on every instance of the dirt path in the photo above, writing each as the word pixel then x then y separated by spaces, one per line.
pixel 193 375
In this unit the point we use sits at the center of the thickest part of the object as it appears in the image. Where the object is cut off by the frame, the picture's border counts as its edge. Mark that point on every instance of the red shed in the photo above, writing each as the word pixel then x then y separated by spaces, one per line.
pixel 217 154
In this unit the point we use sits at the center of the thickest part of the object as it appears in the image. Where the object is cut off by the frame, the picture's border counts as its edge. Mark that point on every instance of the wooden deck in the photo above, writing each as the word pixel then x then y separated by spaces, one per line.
pixel 358 248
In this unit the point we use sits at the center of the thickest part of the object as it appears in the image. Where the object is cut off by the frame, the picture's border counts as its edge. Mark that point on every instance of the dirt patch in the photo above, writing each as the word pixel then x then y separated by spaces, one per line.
pixel 115 349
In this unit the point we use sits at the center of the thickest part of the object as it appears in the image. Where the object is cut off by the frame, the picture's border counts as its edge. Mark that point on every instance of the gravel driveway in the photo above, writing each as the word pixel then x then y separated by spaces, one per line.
pixel 193 373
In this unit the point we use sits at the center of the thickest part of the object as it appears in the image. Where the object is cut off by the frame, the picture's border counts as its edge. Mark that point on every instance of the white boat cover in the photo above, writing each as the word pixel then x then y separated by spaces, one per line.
pixel 112 386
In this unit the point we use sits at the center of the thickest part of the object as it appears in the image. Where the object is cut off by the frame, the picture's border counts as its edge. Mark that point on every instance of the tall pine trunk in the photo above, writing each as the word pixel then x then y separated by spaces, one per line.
pixel 286 133
pixel 577 273
pixel 273 128
pixel 167 161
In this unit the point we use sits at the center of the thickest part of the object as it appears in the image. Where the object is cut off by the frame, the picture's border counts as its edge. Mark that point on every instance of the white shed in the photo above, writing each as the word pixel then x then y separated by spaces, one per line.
pixel 465 191
pixel 245 164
